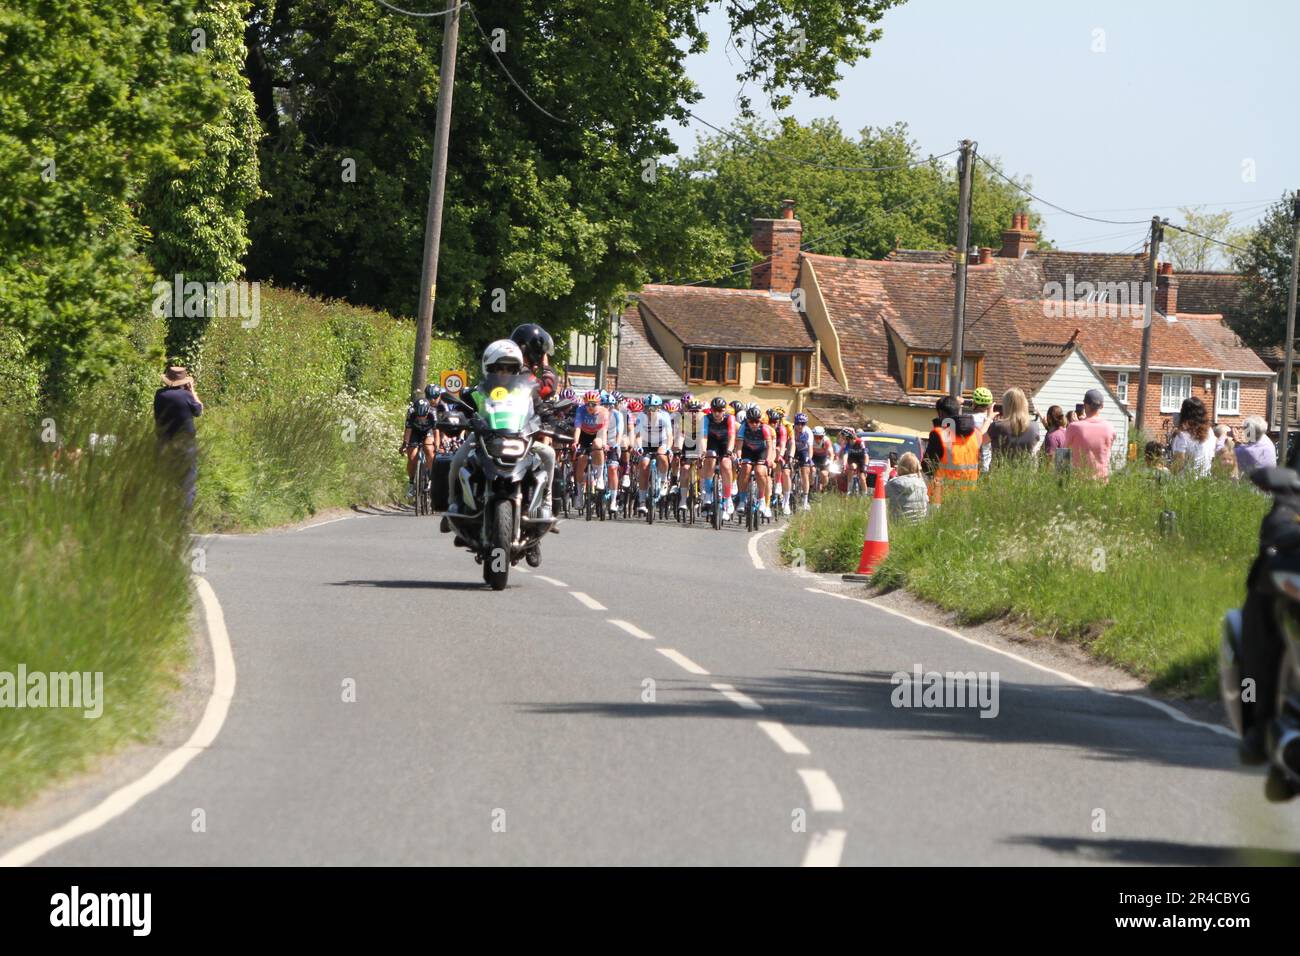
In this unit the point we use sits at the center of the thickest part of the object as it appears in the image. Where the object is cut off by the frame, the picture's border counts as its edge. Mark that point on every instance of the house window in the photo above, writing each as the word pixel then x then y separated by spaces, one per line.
pixel 782 368
pixel 1230 397
pixel 713 368
pixel 1121 387
pixel 929 373
pixel 1173 389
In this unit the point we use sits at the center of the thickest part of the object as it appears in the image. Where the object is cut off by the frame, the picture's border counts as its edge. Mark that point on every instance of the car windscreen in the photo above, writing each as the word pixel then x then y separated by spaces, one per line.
pixel 880 447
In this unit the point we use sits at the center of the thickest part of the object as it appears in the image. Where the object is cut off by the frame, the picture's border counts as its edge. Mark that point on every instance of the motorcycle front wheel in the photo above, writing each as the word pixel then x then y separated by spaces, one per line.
pixel 496 566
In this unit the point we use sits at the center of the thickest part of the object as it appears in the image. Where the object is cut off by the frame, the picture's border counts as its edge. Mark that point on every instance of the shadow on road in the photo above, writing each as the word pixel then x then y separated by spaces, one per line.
pixel 1108 728
pixel 433 585
pixel 1160 852
pixel 384 511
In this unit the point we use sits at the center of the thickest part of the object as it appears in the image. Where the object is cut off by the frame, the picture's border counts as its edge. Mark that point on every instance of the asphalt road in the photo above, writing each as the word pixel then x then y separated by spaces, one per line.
pixel 525 727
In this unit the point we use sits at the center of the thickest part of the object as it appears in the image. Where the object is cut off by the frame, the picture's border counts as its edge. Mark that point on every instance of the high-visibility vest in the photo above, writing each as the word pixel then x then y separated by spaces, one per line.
pixel 959 468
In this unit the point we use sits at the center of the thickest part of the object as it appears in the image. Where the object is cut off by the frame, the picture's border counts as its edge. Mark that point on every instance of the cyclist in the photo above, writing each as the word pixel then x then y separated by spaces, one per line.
pixel 758 451
pixel 591 423
pixel 718 431
pixel 801 443
pixel 613 443
pixel 419 433
pixel 784 454
pixel 674 409
pixel 853 459
pixel 654 436
pixel 688 439
pixel 822 451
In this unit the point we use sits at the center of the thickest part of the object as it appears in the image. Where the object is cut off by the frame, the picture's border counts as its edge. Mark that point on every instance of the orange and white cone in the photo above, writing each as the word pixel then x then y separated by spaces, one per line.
pixel 876 545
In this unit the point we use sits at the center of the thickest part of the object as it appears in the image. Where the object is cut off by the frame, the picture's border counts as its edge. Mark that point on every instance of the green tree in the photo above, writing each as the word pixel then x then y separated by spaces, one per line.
pixel 1265 262
pixel 845 209
pixel 1198 253
pixel 98 98
pixel 559 203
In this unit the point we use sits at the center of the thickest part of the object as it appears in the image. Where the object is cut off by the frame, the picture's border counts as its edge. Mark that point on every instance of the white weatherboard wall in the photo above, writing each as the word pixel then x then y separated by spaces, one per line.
pixel 1066 388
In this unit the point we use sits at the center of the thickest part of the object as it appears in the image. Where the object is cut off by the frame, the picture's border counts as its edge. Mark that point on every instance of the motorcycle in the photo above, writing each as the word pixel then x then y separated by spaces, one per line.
pixel 1273 586
pixel 502 472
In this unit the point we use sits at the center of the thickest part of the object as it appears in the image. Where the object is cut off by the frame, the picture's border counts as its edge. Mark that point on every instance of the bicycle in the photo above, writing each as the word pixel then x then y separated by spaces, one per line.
pixel 686 509
pixel 423 483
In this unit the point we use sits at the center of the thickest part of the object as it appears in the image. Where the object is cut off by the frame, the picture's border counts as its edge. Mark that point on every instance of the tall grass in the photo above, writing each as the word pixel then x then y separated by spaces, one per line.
pixel 1080 560
pixel 94 559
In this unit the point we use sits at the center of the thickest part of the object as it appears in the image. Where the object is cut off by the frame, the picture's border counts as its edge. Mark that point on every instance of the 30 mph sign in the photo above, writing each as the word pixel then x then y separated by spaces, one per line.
pixel 454 380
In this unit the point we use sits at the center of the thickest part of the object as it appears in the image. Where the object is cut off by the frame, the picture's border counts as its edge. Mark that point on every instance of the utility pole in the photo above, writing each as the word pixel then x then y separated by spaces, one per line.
pixel 1290 328
pixel 437 182
pixel 1148 316
pixel 963 254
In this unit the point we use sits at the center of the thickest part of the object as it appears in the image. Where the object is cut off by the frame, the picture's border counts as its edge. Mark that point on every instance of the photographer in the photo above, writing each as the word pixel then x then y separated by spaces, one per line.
pixel 175 406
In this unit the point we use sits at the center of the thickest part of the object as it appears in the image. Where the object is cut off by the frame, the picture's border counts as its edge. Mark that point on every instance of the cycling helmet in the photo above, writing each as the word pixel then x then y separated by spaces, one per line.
pixel 568 395
pixel 847 433
pixel 533 341
pixel 591 398
pixel 719 404
pixel 800 419
pixel 422 408
pixel 777 412
pixel 753 414
pixel 737 406
pixel 502 353
pixel 687 398
pixel 608 398
pixel 981 396
pixel 634 405
pixel 433 392
pixel 654 401
pixel 694 406
pixel 819 431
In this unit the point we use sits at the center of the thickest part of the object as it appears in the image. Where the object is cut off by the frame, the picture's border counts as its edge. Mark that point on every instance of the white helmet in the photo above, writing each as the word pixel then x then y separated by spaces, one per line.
pixel 502 350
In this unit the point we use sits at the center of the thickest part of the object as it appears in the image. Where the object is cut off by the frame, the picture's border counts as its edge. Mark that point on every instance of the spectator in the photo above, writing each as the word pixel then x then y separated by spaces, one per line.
pixel 1193 445
pixel 1054 444
pixel 948 411
pixel 1014 433
pixel 1222 433
pixel 907 494
pixel 981 411
pixel 1090 438
pixel 1225 460
pixel 175 406
pixel 1154 456
pixel 1256 451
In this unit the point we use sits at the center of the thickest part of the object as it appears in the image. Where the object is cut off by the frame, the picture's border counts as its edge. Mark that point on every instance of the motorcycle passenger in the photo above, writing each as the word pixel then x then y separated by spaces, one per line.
pixel 536 345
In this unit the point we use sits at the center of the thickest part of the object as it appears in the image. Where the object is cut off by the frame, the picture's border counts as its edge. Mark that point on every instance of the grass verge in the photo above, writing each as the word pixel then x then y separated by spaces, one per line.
pixel 1072 558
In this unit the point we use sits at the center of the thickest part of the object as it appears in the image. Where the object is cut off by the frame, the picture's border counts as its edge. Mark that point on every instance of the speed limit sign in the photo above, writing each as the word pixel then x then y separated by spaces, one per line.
pixel 454 380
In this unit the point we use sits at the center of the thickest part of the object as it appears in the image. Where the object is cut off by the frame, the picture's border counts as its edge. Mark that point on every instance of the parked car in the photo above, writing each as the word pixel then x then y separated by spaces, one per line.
pixel 880 445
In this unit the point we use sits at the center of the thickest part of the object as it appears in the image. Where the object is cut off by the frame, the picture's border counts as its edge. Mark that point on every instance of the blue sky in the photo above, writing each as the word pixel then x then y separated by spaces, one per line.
pixel 1184 94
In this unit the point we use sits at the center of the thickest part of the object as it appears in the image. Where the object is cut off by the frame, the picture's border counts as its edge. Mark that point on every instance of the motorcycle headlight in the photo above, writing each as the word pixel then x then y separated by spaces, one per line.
pixel 506 446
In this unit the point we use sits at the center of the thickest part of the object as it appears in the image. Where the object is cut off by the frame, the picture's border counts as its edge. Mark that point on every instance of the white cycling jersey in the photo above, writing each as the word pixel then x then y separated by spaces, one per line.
pixel 654 429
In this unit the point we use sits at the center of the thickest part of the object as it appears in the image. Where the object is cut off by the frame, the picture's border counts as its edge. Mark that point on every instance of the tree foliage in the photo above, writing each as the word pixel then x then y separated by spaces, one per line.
pixel 1197 253
pixel 558 203
pixel 1265 262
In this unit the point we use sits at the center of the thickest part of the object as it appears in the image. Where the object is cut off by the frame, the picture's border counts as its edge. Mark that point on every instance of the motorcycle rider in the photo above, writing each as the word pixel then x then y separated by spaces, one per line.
pixel 536 346
pixel 501 356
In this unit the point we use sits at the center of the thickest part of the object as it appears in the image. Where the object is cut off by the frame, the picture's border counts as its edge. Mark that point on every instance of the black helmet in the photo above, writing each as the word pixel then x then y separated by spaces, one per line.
pixel 433 392
pixel 753 414
pixel 737 405
pixel 534 341
pixel 422 408
pixel 718 404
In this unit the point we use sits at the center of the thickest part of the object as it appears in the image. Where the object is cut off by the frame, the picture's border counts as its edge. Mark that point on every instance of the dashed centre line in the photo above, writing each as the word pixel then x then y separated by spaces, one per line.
pixel 558 584
pixel 586 600
pixel 825 849
pixel 631 629
pixel 822 791
pixel 787 741
pixel 736 697
pixel 681 660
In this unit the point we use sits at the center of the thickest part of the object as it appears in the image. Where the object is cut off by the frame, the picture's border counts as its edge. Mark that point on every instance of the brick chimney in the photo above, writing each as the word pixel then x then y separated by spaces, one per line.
pixel 1166 290
pixel 777 241
pixel 986 255
pixel 1019 239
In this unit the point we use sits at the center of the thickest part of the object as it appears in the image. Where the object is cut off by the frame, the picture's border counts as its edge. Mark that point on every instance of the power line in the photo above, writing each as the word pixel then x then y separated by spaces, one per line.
pixel 1198 235
pixel 509 75
pixel 1079 215
pixel 412 13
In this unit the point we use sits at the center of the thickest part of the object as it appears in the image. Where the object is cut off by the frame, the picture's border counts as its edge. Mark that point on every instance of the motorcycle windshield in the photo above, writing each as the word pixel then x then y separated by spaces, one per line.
pixel 505 402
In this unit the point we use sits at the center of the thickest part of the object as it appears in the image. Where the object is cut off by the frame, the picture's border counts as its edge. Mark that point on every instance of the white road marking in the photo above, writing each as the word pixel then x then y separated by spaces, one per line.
pixel 307 527
pixel 631 629
pixel 821 790
pixel 753 546
pixel 787 741
pixel 1166 709
pixel 736 697
pixel 588 601
pixel 558 584
pixel 681 660
pixel 825 849
pixel 124 798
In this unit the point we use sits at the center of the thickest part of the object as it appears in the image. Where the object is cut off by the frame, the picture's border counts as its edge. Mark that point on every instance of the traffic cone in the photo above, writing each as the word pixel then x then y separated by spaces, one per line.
pixel 876 545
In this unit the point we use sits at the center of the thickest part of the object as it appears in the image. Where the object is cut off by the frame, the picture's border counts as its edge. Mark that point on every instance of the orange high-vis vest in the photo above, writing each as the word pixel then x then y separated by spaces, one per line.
pixel 959 467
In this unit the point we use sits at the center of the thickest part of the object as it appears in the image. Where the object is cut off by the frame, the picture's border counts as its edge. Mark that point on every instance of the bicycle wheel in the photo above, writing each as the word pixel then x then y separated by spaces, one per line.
pixel 421 498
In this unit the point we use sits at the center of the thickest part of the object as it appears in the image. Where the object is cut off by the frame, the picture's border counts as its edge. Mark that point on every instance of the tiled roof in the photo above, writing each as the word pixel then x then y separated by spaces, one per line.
pixel 1230 353
pixel 1112 335
pixel 932 256
pixel 1041 360
pixel 837 416
pixel 728 318
pixel 640 366
pixel 915 301
pixel 1090 266
pixel 1210 293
